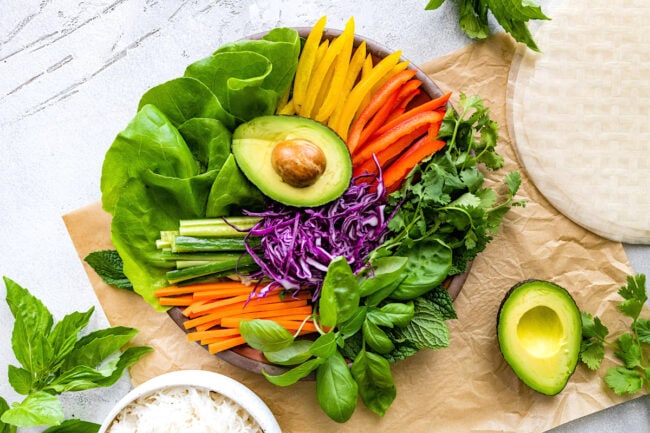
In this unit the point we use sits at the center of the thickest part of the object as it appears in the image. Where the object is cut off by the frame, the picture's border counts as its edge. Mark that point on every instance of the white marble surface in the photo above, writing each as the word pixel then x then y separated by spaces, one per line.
pixel 71 72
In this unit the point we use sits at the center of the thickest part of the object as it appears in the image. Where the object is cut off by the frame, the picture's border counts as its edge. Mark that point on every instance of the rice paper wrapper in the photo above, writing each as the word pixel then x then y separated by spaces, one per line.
pixel 468 386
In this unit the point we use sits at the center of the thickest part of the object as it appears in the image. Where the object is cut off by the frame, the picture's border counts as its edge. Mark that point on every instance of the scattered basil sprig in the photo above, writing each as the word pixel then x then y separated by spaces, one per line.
pixel 632 348
pixel 512 15
pixel 53 360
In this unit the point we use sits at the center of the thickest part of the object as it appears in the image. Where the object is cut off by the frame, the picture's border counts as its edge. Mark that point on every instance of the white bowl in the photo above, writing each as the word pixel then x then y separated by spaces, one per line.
pixel 216 382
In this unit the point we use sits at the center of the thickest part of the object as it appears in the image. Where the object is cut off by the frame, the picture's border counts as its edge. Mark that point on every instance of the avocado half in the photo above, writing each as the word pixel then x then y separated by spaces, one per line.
pixel 293 160
pixel 539 329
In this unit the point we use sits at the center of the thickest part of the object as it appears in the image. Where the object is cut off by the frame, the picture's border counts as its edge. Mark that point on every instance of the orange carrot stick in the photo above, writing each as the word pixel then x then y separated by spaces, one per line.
pixel 213 333
pixel 233 321
pixel 175 301
pixel 225 345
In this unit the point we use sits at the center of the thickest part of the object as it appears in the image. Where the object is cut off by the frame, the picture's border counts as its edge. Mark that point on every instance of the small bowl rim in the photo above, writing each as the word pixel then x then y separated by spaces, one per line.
pixel 213 381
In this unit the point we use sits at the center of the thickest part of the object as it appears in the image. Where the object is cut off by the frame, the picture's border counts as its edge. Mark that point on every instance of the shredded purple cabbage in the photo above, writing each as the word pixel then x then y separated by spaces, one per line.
pixel 297 245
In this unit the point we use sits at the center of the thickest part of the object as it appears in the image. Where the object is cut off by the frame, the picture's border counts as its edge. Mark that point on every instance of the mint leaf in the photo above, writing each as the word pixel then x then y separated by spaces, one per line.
pixel 109 266
pixel 427 329
pixel 38 408
pixel 623 380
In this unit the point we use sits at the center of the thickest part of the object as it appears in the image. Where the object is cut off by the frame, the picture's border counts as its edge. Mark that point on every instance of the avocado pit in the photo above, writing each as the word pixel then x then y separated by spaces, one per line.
pixel 300 163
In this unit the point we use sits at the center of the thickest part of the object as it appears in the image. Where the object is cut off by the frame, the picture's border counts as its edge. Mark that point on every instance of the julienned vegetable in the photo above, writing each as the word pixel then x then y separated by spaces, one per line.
pixel 297 245
pixel 55 360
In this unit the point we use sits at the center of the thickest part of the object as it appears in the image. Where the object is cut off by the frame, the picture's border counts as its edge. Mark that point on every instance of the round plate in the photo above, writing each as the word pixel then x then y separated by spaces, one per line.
pixel 253 360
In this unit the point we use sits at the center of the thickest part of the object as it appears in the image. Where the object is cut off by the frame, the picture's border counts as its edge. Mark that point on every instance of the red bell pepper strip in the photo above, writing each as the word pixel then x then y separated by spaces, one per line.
pixel 431 105
pixel 376 103
pixel 412 123
pixel 386 156
pixel 395 174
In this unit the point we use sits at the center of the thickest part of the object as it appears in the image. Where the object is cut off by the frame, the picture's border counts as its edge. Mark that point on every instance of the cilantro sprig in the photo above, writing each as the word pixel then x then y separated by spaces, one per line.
pixel 512 15
pixel 631 348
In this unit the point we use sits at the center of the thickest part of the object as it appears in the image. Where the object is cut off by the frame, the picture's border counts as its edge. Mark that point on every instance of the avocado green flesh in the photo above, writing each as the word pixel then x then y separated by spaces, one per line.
pixel 254 141
pixel 539 332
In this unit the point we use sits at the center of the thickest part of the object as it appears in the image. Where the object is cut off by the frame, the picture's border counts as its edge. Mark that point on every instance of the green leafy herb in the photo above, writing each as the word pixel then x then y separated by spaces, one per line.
pixel 109 266
pixel 631 348
pixel 512 15
pixel 53 359
pixel 74 426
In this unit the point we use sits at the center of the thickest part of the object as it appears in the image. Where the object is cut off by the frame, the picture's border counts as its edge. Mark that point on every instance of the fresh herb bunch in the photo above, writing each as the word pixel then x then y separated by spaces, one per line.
pixel 53 360
pixel 512 15
pixel 632 348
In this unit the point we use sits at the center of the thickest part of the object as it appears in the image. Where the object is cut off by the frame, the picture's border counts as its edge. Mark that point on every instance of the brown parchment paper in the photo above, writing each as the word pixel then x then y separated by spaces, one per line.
pixel 466 387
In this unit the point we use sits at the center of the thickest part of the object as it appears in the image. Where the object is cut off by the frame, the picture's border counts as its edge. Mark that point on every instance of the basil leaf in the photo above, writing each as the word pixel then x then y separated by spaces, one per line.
pixel 392 314
pixel 295 374
pixel 83 377
pixel 385 271
pixel 92 349
pixel 297 353
pixel 324 346
pixel 65 333
pixel 339 297
pixel 376 338
pixel 336 389
pixel 33 322
pixel 5 428
pixel 354 323
pixel 74 426
pixel 21 380
pixel 38 408
pixel 376 385
pixel 265 335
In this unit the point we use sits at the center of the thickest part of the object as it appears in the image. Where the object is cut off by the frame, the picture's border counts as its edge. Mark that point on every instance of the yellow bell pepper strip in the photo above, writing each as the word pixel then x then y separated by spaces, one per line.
pixel 379 100
pixel 322 50
pixel 317 79
pixel 356 63
pixel 306 63
pixel 288 109
pixel 360 91
pixel 284 101
pixel 321 92
pixel 341 66
pixel 367 66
